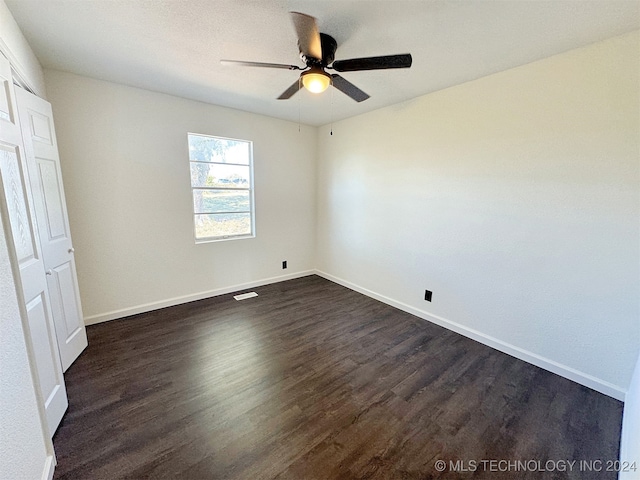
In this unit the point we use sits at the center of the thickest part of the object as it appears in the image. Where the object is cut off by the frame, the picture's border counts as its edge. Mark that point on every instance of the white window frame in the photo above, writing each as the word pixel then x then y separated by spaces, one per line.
pixel 251 190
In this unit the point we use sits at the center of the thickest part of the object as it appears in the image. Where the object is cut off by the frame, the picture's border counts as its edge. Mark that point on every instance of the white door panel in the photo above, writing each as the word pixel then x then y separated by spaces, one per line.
pixel 55 227
pixel 16 205
pixel 43 162
pixel 45 352
pixel 41 347
pixel 62 279
pixel 23 237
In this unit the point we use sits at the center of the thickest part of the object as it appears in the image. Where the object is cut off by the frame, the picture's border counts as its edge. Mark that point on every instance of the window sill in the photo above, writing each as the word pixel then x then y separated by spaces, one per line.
pixel 224 239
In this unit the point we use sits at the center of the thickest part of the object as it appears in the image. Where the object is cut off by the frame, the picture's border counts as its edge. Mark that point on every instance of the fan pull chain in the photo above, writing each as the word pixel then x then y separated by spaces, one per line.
pixel 331 109
pixel 299 100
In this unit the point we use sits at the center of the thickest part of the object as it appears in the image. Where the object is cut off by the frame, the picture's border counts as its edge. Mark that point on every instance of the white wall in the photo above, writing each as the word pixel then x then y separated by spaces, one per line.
pixel 630 442
pixel 17 50
pixel 514 198
pixel 126 173
pixel 23 448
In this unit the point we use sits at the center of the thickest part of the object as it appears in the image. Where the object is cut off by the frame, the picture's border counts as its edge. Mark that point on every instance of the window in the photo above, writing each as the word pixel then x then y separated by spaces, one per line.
pixel 222 187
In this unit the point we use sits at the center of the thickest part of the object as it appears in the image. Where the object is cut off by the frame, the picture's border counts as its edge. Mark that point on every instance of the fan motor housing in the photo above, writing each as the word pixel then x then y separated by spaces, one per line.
pixel 329 46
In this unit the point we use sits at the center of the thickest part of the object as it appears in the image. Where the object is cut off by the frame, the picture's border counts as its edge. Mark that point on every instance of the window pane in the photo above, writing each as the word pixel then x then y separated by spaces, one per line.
pixel 210 149
pixel 220 225
pixel 216 201
pixel 223 176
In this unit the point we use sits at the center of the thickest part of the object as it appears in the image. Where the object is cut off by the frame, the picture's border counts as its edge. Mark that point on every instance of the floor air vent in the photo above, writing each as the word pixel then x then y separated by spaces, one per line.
pixel 244 296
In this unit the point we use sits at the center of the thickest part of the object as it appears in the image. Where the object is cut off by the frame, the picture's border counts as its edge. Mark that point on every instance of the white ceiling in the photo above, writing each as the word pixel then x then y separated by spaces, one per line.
pixel 175 46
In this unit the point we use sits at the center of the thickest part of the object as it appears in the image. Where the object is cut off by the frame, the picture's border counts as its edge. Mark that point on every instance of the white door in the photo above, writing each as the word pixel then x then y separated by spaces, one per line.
pixel 16 209
pixel 43 163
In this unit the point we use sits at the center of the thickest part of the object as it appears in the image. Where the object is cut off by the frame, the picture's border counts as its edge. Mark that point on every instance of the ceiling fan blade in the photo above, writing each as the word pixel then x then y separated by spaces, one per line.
pixel 373 63
pixel 260 64
pixel 308 35
pixel 348 88
pixel 291 91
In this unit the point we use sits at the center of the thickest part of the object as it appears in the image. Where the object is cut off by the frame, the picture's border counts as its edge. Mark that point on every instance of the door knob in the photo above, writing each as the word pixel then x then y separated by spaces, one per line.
pixel 49 272
pixel 71 250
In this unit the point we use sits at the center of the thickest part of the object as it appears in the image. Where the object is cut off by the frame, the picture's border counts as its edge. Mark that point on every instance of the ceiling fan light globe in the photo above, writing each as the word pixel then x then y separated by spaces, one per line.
pixel 316 82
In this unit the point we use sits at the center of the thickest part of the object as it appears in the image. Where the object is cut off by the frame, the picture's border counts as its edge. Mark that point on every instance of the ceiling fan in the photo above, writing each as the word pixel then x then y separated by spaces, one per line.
pixel 317 50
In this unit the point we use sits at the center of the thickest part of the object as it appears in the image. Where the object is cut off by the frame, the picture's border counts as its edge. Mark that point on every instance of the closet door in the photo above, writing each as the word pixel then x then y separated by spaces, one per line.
pixel 16 209
pixel 43 163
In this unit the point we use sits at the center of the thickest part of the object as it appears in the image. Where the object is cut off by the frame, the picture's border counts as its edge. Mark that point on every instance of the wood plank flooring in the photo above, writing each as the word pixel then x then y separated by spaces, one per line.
pixel 310 380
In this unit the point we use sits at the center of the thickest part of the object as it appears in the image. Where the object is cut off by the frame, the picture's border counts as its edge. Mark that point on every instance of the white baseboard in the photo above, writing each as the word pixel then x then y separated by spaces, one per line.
pixel 49 467
pixel 147 307
pixel 577 376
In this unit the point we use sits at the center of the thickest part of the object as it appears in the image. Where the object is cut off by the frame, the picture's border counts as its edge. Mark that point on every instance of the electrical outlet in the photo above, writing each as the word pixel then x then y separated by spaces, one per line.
pixel 284 264
pixel 427 295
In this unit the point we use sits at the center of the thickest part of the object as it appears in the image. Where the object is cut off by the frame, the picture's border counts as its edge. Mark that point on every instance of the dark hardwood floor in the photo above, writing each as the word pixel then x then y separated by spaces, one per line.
pixel 310 380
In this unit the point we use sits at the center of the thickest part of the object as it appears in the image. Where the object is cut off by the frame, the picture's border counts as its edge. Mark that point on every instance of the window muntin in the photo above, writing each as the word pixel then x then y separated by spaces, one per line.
pixel 221 187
